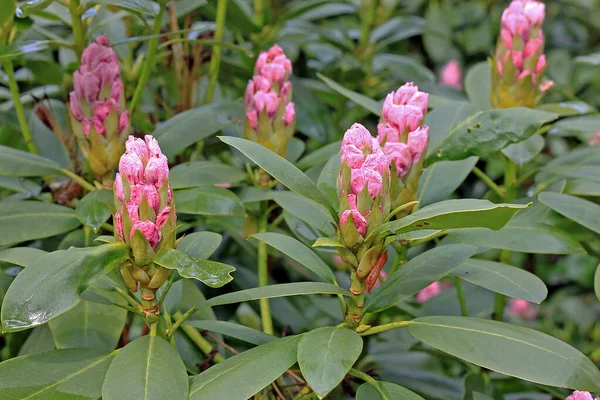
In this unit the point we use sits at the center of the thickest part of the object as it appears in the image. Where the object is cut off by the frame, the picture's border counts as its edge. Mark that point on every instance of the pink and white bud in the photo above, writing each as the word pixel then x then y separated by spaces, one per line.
pixel 369 177
pixel 357 136
pixel 417 142
pixel 400 156
pixel 150 231
pixel 118 188
pixel 522 309
pixel 451 75
pixel 157 170
pixel 579 395
pixel 162 217
pixel 387 133
pixel 274 65
pixel 290 114
pixel 131 167
pixel 359 221
pixel 118 223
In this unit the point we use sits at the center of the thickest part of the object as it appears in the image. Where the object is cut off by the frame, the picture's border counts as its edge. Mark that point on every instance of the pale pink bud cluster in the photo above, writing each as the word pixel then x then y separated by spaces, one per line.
pixel 401 130
pixel 145 169
pixel 269 88
pixel 522 39
pixel 98 89
pixel 451 75
pixel 522 309
pixel 578 395
pixel 368 169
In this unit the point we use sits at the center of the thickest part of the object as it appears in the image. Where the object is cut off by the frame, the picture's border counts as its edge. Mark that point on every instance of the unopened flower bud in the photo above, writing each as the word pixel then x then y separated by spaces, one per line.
pixel 579 395
pixel 149 229
pixel 451 75
pixel 522 309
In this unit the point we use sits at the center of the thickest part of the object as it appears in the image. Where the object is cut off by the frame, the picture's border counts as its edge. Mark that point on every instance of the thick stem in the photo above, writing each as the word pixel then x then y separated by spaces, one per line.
pixel 385 327
pixel 461 298
pixel 148 63
pixel 180 320
pixel 203 344
pixel 77 27
pixel 400 257
pixel 499 303
pixel 356 303
pixel 150 304
pixel 215 61
pixel 263 273
pixel 84 184
pixel 16 95
pixel 488 181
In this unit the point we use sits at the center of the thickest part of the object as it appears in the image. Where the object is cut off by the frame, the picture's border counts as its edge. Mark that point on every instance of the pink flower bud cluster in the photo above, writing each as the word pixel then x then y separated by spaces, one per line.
pixel 451 75
pixel 431 291
pixel 401 130
pixel 522 39
pixel 368 168
pixel 146 170
pixel 578 395
pixel 522 309
pixel 270 87
pixel 98 89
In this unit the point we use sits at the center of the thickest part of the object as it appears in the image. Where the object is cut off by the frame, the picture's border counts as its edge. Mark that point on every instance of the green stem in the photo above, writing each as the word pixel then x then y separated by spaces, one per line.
pixel 385 327
pixel 263 272
pixel 203 344
pixel 499 303
pixel 153 327
pixel 85 184
pixel 164 294
pixel 488 181
pixel 356 303
pixel 16 95
pixel 368 21
pixel 369 379
pixel 400 257
pixel 215 61
pixel 461 298
pixel 180 320
pixel 108 227
pixel 129 299
pixel 259 12
pixel 77 27
pixel 148 63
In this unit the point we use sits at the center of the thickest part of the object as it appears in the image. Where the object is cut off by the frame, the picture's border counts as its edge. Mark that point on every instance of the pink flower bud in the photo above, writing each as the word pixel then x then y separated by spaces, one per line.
pixel 150 231
pixel 98 125
pixel 522 309
pixel 377 161
pixel 429 292
pixel 409 94
pixel 274 65
pixel 532 46
pixel 399 155
pixel 102 109
pixel 162 217
pixel 147 191
pixel 417 142
pixel 366 176
pixel 499 65
pixel 358 136
pixel 286 89
pixel 535 11
pixel 137 147
pixel 118 187
pixel 404 117
pixel 290 114
pixel 507 38
pixel 133 210
pixel 451 75
pixel 153 146
pixel 75 106
pixel 387 133
pixel 382 277
pixel 273 72
pixel 131 167
pixel 252 117
pixel 578 395
pixel 118 223
pixel 123 121
pixel 545 86
pixel 359 221
pixel 540 64
pixel 517 59
pixel 157 170
pixel 266 101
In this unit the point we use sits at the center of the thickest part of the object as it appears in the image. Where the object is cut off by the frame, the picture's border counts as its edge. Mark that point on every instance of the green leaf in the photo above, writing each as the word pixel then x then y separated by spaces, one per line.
pixel 391 391
pixel 7 10
pixel 417 274
pixel 287 174
pixel 299 252
pixel 148 368
pixel 443 118
pixel 138 6
pixel 319 156
pixel 245 374
pixel 21 256
pixel 568 108
pixel 40 339
pixel 305 209
pixel 581 187
pixel 26 9
pixel 509 349
pixel 597 282
pixel 281 290
pixel 502 278
pixel 325 356
pixel 454 214
pixel 487 132
pixel 533 238
pixel 523 152
pixel 587 172
pixel 478 86
pixel 211 273
pixel 208 200
pixel 441 179
pixel 200 173
pixel 93 210
pixel 27 220
pixel 584 212
pixel 56 374
pixel 437 36
pixel 89 325
pixel 327 242
pixel 52 284
pixel 237 331
pixel 188 127
pixel 200 244
pixel 21 163
pixel 360 99
pixel 328 181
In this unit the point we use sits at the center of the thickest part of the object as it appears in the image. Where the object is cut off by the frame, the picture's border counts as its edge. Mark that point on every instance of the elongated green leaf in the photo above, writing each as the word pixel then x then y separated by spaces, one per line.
pixel 454 214
pixel 325 356
pixel 360 99
pixel 532 238
pixel 443 118
pixel 27 220
pixel 280 169
pixel 568 108
pixel 597 282
pixel 188 127
pixel 21 256
pixel 139 6
pixel 328 181
pixel 582 211
pixel 589 172
pixel 441 179
pixel 582 187
pixel 256 368
pixel 200 173
pixel 40 339
pixel 7 10
pixel 305 209
pixel 525 151
pixel 509 349
pixel 52 284
pixel 56 374
pixel 391 391
pixel 502 278
pixel 417 274
pixel 148 368
pixel 487 132
pixel 281 290
pixel 208 200
pixel 200 244
pixel 93 210
pixel 237 331
pixel 89 325
pixel 26 9
pixel 299 252
pixel 478 86
pixel 20 163
pixel 319 156
pixel 211 273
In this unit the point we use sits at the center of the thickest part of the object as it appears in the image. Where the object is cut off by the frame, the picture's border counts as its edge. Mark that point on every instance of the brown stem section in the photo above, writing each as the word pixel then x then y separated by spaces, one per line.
pixel 357 301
